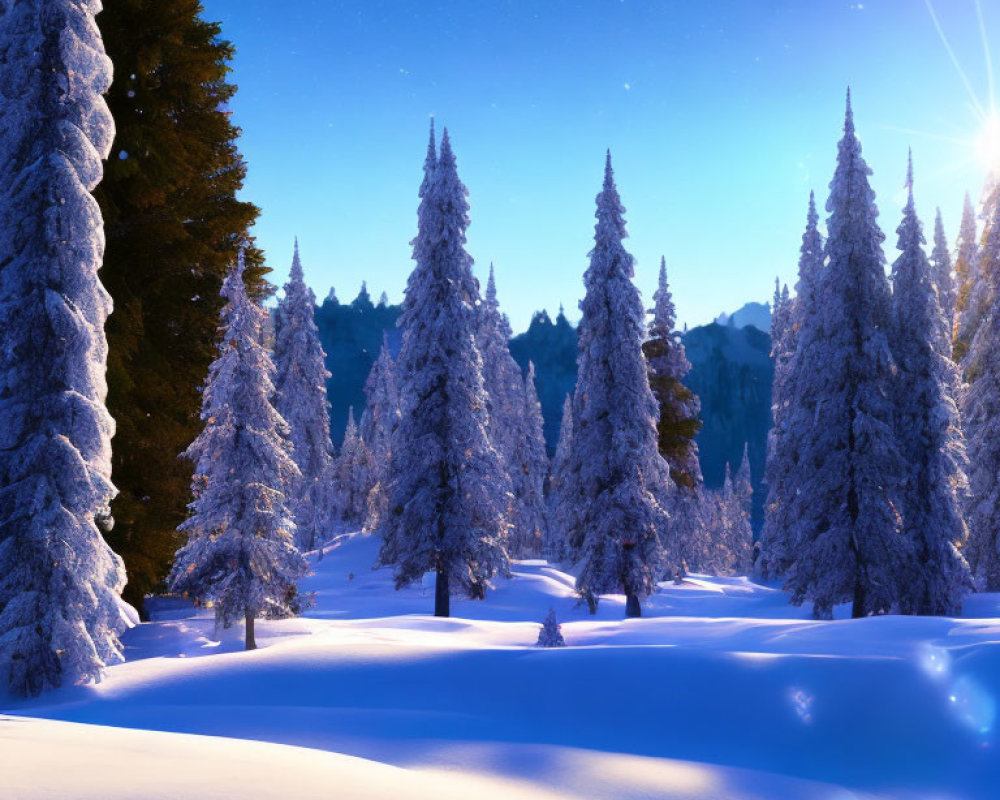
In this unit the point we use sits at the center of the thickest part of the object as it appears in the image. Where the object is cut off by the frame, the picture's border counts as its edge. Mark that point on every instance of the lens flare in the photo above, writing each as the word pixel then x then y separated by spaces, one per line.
pixel 988 143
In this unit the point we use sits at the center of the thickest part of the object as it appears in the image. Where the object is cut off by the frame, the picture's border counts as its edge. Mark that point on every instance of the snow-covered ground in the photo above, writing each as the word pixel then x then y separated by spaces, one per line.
pixel 721 691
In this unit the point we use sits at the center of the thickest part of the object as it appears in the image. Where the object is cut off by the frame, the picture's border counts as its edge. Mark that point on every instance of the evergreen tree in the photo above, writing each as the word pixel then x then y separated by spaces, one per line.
pixel 614 458
pixel 562 494
pixel 550 634
pixel 927 427
pixel 848 545
pixel 172 223
pixel 241 553
pixel 530 466
pixel 501 378
pixel 378 426
pixel 450 495
pixel 351 479
pixel 968 305
pixel 679 406
pixel 943 279
pixel 981 413
pixel 300 399
pixel 788 404
pixel 741 507
pixel 60 612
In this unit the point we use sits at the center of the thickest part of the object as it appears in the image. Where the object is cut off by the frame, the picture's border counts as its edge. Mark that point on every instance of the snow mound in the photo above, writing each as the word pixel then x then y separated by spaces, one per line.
pixel 721 691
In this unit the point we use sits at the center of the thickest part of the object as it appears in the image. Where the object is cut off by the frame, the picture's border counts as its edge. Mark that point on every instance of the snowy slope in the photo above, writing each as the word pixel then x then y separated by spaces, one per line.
pixel 721 691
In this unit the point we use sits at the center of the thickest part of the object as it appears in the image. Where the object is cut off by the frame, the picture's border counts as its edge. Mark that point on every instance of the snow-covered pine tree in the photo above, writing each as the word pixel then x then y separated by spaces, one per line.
pixel 561 488
pixel 351 481
pixel 741 539
pixel 967 277
pixel 942 276
pixel 550 634
pixel 615 529
pixel 927 428
pixel 981 415
pixel 300 399
pixel 378 425
pixel 846 529
pixel 241 551
pixel 60 612
pixel 530 466
pixel 679 422
pixel 501 377
pixel 788 404
pixel 450 495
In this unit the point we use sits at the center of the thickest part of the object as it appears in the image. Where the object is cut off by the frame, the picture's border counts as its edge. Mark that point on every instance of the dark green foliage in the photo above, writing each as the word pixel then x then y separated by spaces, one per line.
pixel 173 224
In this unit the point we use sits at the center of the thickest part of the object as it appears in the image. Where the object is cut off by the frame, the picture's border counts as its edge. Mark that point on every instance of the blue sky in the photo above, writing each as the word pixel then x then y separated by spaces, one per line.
pixel 721 115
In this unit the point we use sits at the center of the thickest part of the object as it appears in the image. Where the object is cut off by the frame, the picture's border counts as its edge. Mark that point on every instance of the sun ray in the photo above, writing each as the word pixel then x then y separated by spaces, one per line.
pixel 954 60
pixel 937 137
pixel 987 54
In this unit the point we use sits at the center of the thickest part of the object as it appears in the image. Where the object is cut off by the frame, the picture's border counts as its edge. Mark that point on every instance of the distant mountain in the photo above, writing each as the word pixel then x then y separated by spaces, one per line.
pixel 552 347
pixel 351 335
pixel 731 371
pixel 756 314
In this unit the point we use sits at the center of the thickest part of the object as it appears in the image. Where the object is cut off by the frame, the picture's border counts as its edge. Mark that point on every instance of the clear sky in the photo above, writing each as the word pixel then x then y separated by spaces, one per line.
pixel 721 115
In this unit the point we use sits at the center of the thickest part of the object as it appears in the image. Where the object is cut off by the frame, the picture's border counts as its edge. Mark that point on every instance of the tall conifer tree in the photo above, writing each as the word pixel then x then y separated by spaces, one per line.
pixel 59 582
pixel 241 552
pixel 789 405
pixel 614 458
pixel 981 415
pixel 848 544
pixel 561 488
pixel 173 224
pixel 927 427
pixel 967 276
pixel 300 399
pixel 944 281
pixel 450 495
pixel 678 423
pixel 530 467
pixel 378 427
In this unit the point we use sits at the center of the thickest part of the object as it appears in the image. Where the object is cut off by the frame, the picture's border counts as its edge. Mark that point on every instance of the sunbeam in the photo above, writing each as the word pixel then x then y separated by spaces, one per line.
pixel 954 60
pixel 988 56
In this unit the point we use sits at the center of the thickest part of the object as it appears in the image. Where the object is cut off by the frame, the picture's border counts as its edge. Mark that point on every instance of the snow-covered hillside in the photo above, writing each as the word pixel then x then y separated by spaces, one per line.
pixel 721 691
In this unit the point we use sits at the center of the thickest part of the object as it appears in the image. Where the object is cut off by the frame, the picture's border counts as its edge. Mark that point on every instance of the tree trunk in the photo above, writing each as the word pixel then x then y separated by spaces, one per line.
pixel 858 607
pixel 251 643
pixel 632 606
pixel 442 597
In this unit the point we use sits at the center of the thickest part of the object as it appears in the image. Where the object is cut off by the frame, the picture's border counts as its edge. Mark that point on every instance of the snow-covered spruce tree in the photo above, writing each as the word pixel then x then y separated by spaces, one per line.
pixel 501 377
pixel 679 407
pixel 981 415
pixel 351 480
pixel 927 428
pixel 241 551
pixel 528 471
pixel 300 399
pixel 550 634
pixel 614 458
pixel 378 425
pixel 449 495
pixel 967 280
pixel 60 612
pixel 943 279
pixel 788 404
pixel 846 529
pixel 742 506
pixel 561 489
